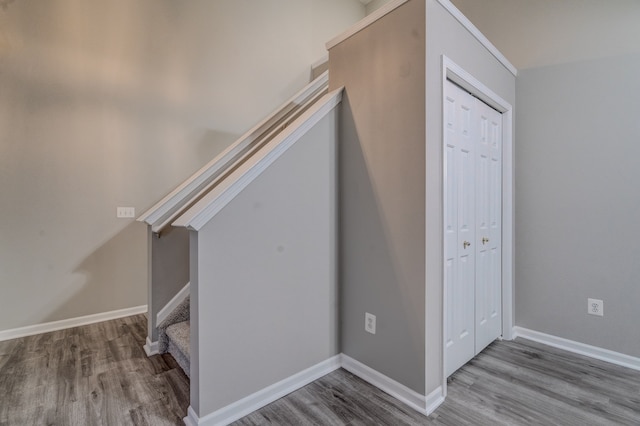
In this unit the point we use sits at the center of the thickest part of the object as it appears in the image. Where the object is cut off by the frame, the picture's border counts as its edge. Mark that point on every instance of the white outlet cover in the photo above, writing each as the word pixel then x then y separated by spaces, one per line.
pixel 369 323
pixel 595 307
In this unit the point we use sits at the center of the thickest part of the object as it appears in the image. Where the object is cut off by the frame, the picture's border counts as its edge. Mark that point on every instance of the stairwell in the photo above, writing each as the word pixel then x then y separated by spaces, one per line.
pixel 200 198
pixel 174 336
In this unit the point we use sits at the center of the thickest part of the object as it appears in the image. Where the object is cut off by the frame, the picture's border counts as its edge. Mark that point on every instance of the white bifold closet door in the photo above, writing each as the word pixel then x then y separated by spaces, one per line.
pixel 472 226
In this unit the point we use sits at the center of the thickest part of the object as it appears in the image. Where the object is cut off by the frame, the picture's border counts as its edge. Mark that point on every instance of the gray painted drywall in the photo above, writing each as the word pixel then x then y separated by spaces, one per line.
pixel 545 32
pixel 445 36
pixel 391 220
pixel 577 201
pixel 114 103
pixel 169 270
pixel 375 5
pixel 382 193
pixel 266 277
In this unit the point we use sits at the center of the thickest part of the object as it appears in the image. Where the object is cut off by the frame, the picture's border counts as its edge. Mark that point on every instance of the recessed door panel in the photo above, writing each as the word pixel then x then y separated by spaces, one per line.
pixel 472 226
pixel 459 214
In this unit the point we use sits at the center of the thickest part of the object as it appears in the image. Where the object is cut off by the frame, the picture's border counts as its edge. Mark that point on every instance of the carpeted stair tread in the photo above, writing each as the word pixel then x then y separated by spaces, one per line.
pixel 178 333
pixel 179 347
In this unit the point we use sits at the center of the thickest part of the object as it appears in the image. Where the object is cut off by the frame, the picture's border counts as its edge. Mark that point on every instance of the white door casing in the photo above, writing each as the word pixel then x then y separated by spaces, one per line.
pixel 472 225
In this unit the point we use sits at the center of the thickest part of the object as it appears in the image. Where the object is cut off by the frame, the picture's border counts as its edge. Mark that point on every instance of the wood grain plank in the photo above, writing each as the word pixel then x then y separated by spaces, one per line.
pixel 99 375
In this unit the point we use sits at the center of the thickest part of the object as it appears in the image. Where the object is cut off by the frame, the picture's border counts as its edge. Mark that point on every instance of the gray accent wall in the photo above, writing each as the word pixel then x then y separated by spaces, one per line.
pixel 264 277
pixel 382 190
pixel 446 36
pixel 578 201
pixel 391 184
pixel 169 270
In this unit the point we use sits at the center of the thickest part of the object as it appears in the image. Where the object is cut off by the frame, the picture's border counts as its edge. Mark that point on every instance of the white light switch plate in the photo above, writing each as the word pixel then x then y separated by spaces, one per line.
pixel 125 212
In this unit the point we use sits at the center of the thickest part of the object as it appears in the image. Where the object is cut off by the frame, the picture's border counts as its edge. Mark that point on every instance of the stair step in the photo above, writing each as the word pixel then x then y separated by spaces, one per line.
pixel 179 346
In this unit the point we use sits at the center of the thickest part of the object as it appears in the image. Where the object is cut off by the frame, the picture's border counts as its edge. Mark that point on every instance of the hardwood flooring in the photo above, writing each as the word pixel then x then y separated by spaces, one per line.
pixel 99 375
pixel 91 375
pixel 509 383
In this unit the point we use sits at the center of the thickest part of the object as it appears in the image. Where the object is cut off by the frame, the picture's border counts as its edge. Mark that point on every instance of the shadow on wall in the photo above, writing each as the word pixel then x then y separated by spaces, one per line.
pixel 213 142
pixel 374 265
pixel 113 277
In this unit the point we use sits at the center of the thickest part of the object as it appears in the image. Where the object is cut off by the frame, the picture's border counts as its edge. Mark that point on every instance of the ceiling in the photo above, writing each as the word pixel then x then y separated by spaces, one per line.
pixel 533 33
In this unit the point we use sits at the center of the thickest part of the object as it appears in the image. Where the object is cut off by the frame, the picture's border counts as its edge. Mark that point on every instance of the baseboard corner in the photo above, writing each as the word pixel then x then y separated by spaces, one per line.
pixel 434 400
pixel 151 348
pixel 388 385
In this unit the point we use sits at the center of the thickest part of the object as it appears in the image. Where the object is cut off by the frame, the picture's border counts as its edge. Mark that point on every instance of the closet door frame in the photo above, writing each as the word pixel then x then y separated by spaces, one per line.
pixel 456 74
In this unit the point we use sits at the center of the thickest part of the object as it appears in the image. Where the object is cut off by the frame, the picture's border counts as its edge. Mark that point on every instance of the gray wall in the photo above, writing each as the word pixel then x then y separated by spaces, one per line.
pixel 169 270
pixel 391 184
pixel 266 277
pixel 382 192
pixel 446 36
pixel 375 5
pixel 577 201
pixel 114 103
pixel 545 32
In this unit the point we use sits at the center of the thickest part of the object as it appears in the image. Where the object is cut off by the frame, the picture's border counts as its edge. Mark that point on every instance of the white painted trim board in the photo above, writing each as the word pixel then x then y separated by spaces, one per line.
pixel 200 213
pixel 475 32
pixel 595 352
pixel 255 401
pixel 423 404
pixel 151 348
pixel 47 327
pixel 172 200
pixel 365 22
pixel 173 304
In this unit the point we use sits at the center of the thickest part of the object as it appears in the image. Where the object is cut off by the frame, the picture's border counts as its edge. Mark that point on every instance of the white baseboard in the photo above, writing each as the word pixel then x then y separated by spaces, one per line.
pixel 433 400
pixel 173 303
pixel 69 323
pixel 423 404
pixel 151 348
pixel 578 348
pixel 247 405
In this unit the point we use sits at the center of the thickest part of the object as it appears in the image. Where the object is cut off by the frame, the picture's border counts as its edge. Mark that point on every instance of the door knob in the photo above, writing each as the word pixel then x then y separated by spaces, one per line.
pixel 466 244
pixel 485 240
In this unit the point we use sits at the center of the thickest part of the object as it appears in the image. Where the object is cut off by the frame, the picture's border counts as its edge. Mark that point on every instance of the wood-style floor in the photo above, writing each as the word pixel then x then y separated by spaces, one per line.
pixel 509 383
pixel 92 375
pixel 99 375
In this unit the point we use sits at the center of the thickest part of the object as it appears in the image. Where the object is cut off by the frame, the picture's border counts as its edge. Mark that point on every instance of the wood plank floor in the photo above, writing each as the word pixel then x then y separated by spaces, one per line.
pixel 91 375
pixel 509 383
pixel 99 375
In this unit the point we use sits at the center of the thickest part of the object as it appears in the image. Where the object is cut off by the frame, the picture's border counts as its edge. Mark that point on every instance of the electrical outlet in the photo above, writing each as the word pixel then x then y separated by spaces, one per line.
pixel 124 212
pixel 595 307
pixel 369 323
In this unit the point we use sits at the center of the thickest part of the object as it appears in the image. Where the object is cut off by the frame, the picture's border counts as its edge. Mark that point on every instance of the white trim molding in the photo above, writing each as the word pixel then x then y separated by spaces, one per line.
pixel 465 22
pixel 47 327
pixel 424 405
pixel 173 304
pixel 253 402
pixel 365 22
pixel 151 348
pixel 200 214
pixel 453 72
pixel 161 214
pixel 607 355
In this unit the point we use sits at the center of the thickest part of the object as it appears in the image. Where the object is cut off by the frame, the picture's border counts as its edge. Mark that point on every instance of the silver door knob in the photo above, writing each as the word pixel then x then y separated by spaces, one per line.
pixel 466 244
pixel 485 240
